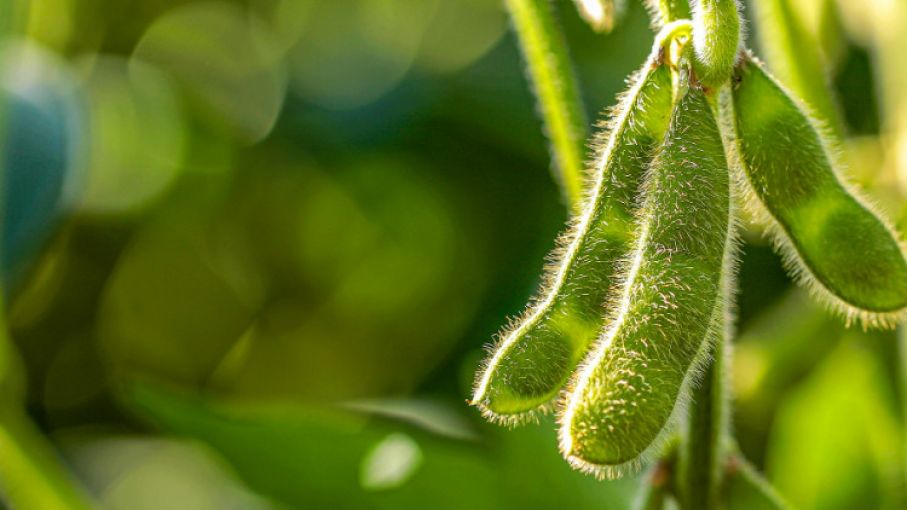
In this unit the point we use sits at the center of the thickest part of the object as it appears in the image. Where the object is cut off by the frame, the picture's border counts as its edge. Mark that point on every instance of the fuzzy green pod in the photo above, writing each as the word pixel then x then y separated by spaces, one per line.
pixel 538 352
pixel 832 241
pixel 669 309
pixel 716 40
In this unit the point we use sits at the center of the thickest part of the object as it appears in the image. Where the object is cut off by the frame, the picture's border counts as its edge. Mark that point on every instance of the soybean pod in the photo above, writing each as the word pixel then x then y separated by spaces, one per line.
pixel 831 240
pixel 537 353
pixel 667 314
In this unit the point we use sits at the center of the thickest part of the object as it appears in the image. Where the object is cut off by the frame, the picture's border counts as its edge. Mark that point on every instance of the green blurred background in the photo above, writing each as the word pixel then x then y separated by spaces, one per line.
pixel 253 251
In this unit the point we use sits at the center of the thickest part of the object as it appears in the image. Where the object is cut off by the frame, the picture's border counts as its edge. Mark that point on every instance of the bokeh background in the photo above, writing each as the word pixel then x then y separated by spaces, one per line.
pixel 253 250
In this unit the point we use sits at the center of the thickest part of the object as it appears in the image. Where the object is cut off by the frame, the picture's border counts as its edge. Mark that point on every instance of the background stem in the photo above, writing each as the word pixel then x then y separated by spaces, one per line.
pixel 746 488
pixel 702 453
pixel 673 10
pixel 551 76
pixel 31 477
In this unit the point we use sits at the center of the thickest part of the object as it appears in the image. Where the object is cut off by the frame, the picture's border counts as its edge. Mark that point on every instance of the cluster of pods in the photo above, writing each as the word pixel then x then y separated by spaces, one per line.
pixel 639 288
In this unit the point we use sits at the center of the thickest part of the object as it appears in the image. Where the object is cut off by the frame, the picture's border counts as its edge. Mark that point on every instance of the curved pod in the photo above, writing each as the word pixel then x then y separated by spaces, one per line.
pixel 832 241
pixel 538 352
pixel 666 316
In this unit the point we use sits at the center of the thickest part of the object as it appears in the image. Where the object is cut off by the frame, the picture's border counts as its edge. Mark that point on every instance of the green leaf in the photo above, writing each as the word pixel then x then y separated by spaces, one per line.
pixel 309 456
pixel 833 439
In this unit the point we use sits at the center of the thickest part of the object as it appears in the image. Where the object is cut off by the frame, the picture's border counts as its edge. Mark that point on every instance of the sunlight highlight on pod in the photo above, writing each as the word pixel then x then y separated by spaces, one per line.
pixel 831 240
pixel 664 320
pixel 716 39
pixel 538 352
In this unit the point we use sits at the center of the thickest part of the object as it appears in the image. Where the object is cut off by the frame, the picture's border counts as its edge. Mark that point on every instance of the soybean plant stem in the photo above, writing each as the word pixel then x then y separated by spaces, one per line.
pixel 701 455
pixel 746 484
pixel 551 75
pixel 31 477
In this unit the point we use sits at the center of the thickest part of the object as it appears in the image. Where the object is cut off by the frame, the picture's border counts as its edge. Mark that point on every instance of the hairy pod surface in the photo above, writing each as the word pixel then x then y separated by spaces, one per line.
pixel 624 395
pixel 832 241
pixel 537 354
pixel 716 40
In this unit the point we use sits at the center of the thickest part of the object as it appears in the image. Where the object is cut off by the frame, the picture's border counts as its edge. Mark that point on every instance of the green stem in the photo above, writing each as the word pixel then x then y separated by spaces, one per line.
pixel 654 490
pixel 746 488
pixel 702 454
pixel 31 477
pixel 551 75
pixel 899 491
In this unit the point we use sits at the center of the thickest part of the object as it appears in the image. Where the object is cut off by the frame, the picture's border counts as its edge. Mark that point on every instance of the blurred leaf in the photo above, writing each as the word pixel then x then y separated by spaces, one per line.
pixel 426 414
pixel 773 355
pixel 227 61
pixel 353 52
pixel 138 473
pixel 370 280
pixel 833 441
pixel 311 458
pixel 182 294
pixel 460 32
pixel 136 132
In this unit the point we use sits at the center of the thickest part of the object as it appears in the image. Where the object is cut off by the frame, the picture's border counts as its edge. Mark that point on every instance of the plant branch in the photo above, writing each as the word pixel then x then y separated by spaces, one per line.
pixel 701 453
pixel 551 75
pixel 31 476
pixel 746 488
